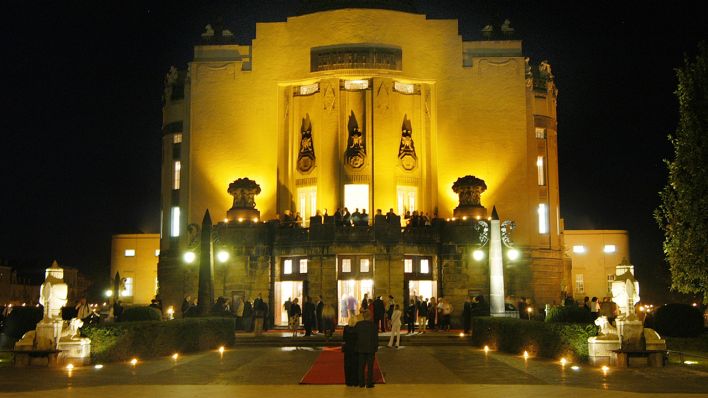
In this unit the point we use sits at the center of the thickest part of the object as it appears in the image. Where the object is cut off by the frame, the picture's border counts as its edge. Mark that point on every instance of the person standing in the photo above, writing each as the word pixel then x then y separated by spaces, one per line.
pixel 594 308
pixel 422 314
pixel 395 327
pixel 82 309
pixel 447 314
pixel 467 315
pixel 411 316
pixel 379 314
pixel 389 311
pixel 286 307
pixel 318 311
pixel 186 303
pixel 350 358
pixel 259 313
pixel 294 316
pixel 367 343
pixel 117 310
pixel 432 313
pixel 328 315
pixel 309 315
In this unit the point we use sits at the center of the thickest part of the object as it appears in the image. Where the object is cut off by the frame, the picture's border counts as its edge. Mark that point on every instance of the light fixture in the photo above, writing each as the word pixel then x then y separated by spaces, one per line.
pixel 189 257
pixel 108 293
pixel 98 366
pixel 526 355
pixel 605 369
pixel 512 254
pixel 478 255
pixel 134 361
pixel 575 367
pixel 70 367
pixel 175 356
pixel 222 256
pixel 563 361
pixel 486 349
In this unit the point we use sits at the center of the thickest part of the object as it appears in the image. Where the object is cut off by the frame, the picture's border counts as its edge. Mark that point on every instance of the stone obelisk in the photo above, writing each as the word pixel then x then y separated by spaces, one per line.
pixel 496 268
pixel 206 269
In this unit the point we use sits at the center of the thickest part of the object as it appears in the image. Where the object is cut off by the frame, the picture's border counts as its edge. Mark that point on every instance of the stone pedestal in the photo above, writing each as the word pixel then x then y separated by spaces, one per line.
pixel 76 351
pixel 600 350
pixel 47 334
pixel 471 212
pixel 241 215
pixel 631 333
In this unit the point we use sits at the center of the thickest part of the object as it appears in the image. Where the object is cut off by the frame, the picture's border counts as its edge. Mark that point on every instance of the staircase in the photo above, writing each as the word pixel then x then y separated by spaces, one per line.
pixel 283 338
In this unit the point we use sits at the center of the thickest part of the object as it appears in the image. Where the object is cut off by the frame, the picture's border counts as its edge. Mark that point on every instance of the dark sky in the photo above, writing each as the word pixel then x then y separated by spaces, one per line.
pixel 82 84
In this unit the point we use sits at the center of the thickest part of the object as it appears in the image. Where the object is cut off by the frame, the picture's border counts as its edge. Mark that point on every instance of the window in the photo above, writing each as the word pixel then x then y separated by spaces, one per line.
pixel 127 287
pixel 346 265
pixel 540 133
pixel 404 88
pixel 309 89
pixel 364 265
pixel 130 252
pixel 408 265
pixel 578 249
pixel 356 196
pixel 541 170
pixel 406 199
pixel 610 249
pixel 542 219
pixel 579 283
pixel 303 265
pixel 174 219
pixel 610 279
pixel 176 174
pixel 424 266
pixel 177 138
pixel 288 267
pixel 356 84
pixel 307 203
pixel 157 253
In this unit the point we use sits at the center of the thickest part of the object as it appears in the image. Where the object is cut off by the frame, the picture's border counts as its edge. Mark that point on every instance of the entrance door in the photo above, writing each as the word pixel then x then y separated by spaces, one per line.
pixel 307 203
pixel 351 292
pixel 425 288
pixel 286 290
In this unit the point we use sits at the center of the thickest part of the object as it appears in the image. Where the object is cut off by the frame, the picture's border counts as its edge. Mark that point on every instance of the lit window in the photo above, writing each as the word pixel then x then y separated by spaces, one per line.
pixel 130 252
pixel 541 171
pixel 303 266
pixel 177 138
pixel 176 174
pixel 346 265
pixel 579 249
pixel 610 249
pixel 356 84
pixel 309 89
pixel 157 253
pixel 307 203
pixel 288 267
pixel 424 266
pixel 127 287
pixel 364 265
pixel 404 88
pixel 406 198
pixel 540 133
pixel 356 196
pixel 542 219
pixel 408 265
pixel 579 283
pixel 610 279
pixel 174 231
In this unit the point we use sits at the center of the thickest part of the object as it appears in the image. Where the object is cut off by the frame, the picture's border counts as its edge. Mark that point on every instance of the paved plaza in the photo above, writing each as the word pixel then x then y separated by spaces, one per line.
pixel 411 370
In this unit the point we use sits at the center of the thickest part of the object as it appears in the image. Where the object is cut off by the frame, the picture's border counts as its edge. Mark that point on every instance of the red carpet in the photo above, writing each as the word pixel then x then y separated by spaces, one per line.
pixel 329 369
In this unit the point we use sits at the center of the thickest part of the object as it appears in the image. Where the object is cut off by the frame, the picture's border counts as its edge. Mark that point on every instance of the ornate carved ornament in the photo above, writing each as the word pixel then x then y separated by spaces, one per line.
pixel 482 228
pixel 406 150
pixel 506 228
pixel 469 189
pixel 306 154
pixel 355 156
pixel 244 191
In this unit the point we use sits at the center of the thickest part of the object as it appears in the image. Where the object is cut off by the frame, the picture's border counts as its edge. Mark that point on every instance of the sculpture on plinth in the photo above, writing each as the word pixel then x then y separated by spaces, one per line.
pixel 306 154
pixel 469 189
pixel 406 149
pixel 244 191
pixel 355 155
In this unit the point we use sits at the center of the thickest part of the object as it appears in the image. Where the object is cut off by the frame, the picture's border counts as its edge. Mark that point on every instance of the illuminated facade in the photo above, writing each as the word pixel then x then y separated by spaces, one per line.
pixel 360 108
pixel 134 257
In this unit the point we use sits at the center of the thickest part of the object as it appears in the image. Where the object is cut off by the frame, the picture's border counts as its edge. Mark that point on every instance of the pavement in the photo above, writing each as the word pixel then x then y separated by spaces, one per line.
pixel 412 370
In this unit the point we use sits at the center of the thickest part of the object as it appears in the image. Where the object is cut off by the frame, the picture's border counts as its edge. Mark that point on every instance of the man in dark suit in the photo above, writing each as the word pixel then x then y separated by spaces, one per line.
pixel 367 343
pixel 379 312
pixel 320 307
pixel 308 315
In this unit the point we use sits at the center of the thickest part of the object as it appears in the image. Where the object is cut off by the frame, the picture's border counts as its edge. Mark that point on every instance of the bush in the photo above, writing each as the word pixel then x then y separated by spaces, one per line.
pixel 20 321
pixel 137 314
pixel 149 339
pixel 548 340
pixel 678 320
pixel 568 313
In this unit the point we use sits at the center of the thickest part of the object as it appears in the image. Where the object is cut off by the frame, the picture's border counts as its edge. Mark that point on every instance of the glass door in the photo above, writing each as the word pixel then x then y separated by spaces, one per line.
pixel 283 291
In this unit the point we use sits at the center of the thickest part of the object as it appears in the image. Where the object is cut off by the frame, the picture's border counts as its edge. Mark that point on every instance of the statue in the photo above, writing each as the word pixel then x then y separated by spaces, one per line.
pixel 469 189
pixel 406 150
pixel 607 331
pixel 244 191
pixel 306 154
pixel 53 292
pixel 356 149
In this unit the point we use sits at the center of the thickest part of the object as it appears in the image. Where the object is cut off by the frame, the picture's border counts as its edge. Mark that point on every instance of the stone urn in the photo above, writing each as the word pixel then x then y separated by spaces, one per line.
pixel 469 190
pixel 244 191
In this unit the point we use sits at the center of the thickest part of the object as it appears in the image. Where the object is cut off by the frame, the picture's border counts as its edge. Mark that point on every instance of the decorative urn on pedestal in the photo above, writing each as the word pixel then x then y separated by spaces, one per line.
pixel 469 189
pixel 244 191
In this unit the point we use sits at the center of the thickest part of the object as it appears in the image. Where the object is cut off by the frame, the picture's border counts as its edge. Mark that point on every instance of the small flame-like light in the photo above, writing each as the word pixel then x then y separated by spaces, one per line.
pixel 240 219
pixel 134 361
pixel 486 349
pixel 605 369
pixel 575 367
pixel 464 218
pixel 175 356
pixel 255 219
pixel 70 367
pixel 563 361
pixel 526 355
pixel 462 334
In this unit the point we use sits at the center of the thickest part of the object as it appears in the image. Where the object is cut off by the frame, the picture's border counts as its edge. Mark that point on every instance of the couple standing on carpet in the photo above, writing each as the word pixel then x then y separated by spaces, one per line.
pixel 361 341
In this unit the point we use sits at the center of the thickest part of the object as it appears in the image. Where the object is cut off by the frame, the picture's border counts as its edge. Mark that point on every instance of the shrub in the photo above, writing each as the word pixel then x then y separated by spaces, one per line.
pixel 20 321
pixel 548 340
pixel 150 339
pixel 678 320
pixel 568 313
pixel 137 314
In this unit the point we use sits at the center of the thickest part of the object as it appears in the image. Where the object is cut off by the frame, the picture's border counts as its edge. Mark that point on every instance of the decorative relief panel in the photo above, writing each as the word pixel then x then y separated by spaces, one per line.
pixel 306 154
pixel 355 56
pixel 383 96
pixel 406 150
pixel 355 156
pixel 329 97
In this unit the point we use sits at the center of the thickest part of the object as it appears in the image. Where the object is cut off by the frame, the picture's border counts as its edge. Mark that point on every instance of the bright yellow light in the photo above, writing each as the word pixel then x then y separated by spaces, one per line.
pixel 464 218
pixel 170 310
pixel 605 369
pixel 98 366
pixel 529 310
pixel 486 349
pixel 690 362
pixel 694 304
pixel 575 367
pixel 70 367
pixel 356 196
pixel 255 219
pixel 478 255
pixel 189 257
pixel 462 334
pixel 641 308
pixel 526 355
pixel 240 219
pixel 222 256
pixel 226 220
pixel 175 356
pixel 478 217
pixel 221 349
pixel 512 254
pixel 134 361
pixel 108 293
pixel 563 361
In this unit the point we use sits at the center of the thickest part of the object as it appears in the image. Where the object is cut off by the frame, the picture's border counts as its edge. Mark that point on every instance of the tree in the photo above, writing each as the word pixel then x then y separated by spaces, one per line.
pixel 683 212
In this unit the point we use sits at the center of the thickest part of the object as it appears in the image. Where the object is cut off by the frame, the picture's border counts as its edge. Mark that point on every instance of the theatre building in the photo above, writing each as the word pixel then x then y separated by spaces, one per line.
pixel 364 108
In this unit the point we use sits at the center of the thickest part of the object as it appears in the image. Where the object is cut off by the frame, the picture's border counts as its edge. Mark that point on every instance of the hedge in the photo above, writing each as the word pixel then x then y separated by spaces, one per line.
pixel 139 314
pixel 149 339
pixel 568 313
pixel 678 320
pixel 544 339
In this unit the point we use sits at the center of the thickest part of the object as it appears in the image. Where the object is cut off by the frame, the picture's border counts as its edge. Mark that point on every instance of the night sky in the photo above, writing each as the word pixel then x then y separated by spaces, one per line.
pixel 82 84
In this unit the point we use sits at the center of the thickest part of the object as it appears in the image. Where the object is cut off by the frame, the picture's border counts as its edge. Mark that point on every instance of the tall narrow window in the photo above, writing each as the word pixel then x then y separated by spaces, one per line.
pixel 174 220
pixel 541 170
pixel 177 138
pixel 346 265
pixel 288 267
pixel 579 283
pixel 307 203
pixel 424 266
pixel 364 265
pixel 542 219
pixel 540 133
pixel 406 198
pixel 176 174
pixel 408 265
pixel 610 279
pixel 356 196
pixel 303 265
pixel 127 287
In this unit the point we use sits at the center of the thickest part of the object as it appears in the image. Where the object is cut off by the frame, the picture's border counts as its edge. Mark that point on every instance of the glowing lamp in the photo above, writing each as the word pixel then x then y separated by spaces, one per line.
pixel 255 219
pixel 462 334
pixel 478 255
pixel 575 367
pixel 175 356
pixel 222 256
pixel 221 349
pixel 605 369
pixel 98 366
pixel 189 257
pixel 486 349
pixel 240 219
pixel 526 355
pixel 134 361
pixel 70 367
pixel 512 254
pixel 108 293
pixel 563 361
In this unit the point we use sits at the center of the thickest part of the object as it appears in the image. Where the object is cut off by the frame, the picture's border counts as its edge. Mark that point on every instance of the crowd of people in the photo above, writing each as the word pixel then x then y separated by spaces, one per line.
pixel 342 217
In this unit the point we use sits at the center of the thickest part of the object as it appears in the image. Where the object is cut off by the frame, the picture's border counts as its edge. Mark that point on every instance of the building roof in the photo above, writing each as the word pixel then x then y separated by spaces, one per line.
pixel 311 6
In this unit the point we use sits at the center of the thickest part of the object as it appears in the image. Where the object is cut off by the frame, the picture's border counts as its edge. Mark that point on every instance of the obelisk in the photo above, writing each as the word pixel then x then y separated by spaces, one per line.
pixel 496 268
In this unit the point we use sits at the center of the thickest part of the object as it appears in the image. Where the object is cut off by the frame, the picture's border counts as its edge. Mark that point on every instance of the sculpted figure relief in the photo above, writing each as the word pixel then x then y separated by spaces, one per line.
pixel 406 149
pixel 356 148
pixel 53 292
pixel 244 191
pixel 306 154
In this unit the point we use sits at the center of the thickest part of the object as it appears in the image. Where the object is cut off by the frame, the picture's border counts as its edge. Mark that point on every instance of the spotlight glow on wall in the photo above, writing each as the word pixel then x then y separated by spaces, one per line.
pixel 512 254
pixel 189 257
pixel 222 256
pixel 478 255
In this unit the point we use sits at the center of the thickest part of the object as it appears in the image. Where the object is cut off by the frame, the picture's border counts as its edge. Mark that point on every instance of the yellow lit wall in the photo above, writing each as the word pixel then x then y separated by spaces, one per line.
pixel 594 264
pixel 142 267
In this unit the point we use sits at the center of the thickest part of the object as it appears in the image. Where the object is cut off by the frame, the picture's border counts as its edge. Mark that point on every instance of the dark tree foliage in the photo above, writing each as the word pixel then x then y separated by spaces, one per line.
pixel 683 212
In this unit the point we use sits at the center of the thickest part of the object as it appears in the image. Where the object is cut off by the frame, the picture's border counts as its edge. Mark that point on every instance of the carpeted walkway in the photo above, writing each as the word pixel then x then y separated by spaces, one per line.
pixel 329 369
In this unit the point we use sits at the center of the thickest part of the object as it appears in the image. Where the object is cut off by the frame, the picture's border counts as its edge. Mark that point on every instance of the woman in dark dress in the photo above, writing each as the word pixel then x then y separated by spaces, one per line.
pixel 351 376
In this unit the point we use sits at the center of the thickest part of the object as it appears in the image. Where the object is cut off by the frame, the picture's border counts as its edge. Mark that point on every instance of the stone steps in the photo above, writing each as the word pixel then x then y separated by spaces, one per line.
pixel 285 340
